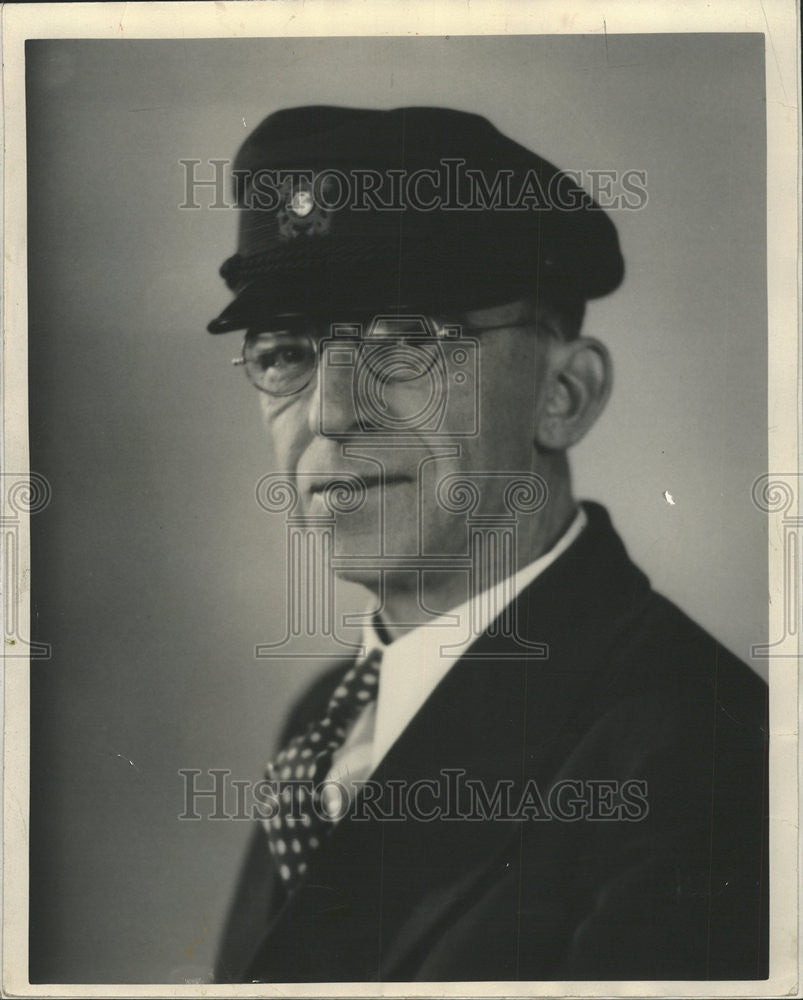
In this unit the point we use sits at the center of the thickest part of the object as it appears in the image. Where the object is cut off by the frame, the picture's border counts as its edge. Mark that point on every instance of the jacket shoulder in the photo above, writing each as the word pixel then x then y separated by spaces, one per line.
pixel 664 653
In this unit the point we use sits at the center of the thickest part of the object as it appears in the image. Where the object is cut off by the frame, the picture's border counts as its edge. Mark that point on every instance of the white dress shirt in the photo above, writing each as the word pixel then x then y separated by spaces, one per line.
pixel 413 665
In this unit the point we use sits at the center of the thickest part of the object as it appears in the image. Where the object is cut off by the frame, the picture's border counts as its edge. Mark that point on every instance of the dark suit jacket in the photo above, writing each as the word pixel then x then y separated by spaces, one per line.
pixel 632 690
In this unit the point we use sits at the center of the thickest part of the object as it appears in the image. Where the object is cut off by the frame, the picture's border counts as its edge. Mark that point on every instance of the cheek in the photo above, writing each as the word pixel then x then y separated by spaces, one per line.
pixel 287 432
pixel 442 404
pixel 508 394
pixel 415 406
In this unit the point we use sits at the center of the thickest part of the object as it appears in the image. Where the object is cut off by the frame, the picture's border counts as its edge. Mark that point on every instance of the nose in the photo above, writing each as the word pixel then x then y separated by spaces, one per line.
pixel 332 405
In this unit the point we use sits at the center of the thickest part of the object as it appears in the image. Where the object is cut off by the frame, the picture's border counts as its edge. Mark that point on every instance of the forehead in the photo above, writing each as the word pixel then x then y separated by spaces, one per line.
pixel 404 320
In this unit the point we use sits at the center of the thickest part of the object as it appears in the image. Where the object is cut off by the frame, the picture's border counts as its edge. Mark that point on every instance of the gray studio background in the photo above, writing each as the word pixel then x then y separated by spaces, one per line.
pixel 155 572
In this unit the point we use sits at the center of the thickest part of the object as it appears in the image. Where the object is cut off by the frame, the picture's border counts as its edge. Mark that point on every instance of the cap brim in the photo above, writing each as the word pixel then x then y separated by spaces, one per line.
pixel 332 293
pixel 327 292
pixel 243 311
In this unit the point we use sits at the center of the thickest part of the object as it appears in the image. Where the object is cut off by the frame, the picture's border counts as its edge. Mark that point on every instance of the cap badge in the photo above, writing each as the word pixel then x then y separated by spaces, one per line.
pixel 301 203
pixel 300 213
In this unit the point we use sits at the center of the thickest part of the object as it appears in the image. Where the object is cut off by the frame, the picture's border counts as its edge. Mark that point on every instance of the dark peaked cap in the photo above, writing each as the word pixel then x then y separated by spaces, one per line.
pixel 492 221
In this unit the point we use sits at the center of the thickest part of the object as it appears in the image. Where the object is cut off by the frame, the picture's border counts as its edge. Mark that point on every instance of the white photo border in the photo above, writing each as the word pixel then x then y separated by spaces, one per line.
pixel 778 21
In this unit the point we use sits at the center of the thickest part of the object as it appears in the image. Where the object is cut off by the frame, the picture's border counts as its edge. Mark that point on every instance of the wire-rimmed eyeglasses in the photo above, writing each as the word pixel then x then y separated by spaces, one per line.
pixel 282 359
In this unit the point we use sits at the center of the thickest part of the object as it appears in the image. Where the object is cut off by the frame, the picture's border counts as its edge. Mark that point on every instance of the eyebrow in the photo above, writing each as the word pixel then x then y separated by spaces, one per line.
pixel 318 328
pixel 284 325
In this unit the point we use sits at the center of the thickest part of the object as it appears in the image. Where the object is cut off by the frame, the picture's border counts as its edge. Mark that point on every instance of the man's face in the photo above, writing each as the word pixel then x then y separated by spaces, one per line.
pixel 406 430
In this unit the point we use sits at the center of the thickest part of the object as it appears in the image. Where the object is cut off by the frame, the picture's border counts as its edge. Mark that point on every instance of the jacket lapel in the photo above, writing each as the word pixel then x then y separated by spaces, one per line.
pixel 500 717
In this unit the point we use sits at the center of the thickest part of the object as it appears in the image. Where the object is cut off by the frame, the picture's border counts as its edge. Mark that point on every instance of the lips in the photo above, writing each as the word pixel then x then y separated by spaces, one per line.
pixel 369 481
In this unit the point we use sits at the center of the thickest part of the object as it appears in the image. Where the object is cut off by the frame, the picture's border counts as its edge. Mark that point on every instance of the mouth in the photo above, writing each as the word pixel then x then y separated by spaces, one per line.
pixel 356 482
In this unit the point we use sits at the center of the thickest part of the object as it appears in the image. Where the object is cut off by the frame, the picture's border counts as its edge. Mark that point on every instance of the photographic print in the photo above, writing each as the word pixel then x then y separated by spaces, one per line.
pixel 400 500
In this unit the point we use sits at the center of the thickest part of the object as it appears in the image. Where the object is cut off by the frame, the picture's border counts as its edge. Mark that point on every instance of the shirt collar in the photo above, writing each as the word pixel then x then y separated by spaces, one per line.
pixel 414 664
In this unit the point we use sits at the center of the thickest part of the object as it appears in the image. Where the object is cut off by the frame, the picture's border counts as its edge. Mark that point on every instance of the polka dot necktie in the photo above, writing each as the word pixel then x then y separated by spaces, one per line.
pixel 303 809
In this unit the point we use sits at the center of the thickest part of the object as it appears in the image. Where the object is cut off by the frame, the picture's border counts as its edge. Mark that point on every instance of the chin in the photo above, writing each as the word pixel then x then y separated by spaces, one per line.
pixel 367 578
pixel 356 540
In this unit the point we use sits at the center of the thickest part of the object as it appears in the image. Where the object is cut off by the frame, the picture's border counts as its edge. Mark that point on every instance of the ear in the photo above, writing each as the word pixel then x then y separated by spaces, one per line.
pixel 576 388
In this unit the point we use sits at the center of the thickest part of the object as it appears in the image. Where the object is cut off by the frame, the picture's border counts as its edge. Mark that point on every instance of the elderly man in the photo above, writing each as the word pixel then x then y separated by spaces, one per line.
pixel 544 770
